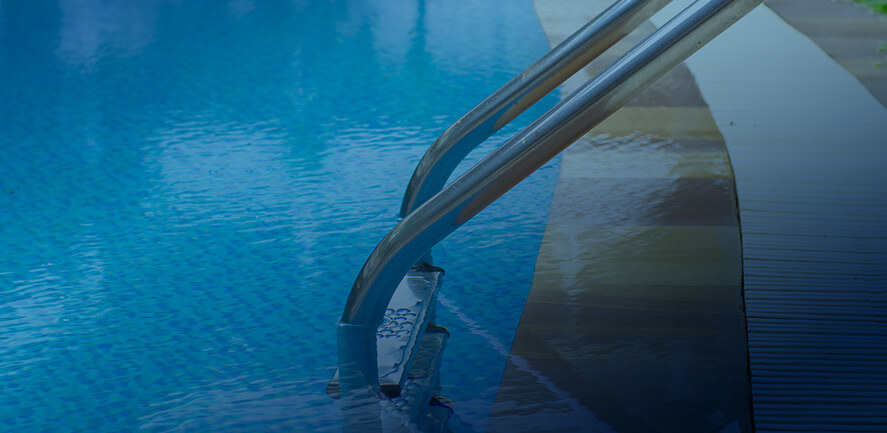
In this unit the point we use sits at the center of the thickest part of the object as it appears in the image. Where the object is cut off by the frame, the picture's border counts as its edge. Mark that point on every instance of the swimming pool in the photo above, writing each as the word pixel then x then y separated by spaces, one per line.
pixel 190 187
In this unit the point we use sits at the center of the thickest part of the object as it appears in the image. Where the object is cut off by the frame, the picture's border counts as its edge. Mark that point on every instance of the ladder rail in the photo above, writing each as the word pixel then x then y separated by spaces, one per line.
pixel 513 161
pixel 524 90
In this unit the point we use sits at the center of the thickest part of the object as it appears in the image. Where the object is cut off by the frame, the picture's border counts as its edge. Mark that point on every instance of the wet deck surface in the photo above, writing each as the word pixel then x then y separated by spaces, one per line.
pixel 853 35
pixel 807 140
pixel 635 321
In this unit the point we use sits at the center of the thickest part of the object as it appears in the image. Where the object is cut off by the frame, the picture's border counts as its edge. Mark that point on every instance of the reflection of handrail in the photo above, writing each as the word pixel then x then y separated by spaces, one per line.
pixel 513 161
pixel 520 93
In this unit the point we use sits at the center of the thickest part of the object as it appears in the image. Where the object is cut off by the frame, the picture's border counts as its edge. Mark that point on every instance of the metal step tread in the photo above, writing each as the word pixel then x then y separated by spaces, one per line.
pixel 409 313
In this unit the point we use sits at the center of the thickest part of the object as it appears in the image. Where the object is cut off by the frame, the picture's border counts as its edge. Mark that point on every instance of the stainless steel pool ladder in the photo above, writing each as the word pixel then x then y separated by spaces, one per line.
pixel 399 270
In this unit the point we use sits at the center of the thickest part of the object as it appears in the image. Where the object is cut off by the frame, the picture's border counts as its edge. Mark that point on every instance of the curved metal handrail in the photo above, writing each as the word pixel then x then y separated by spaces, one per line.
pixel 524 90
pixel 520 156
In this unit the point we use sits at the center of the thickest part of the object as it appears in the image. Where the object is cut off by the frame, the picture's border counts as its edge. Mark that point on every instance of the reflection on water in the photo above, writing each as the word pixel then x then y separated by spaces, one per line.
pixel 92 29
pixel 190 186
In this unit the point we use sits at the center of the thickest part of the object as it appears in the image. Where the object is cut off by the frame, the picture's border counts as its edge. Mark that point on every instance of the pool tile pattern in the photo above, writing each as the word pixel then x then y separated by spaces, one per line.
pixel 635 319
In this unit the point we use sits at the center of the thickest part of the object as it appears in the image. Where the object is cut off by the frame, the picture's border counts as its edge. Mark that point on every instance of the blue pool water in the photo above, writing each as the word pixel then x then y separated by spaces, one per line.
pixel 189 187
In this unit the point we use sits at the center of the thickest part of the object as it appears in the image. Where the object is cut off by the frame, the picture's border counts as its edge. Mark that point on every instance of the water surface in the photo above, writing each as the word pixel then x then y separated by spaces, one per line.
pixel 189 188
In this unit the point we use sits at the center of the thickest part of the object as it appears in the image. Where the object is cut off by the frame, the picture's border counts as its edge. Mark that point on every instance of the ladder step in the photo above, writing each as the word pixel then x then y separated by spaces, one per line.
pixel 423 378
pixel 409 313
